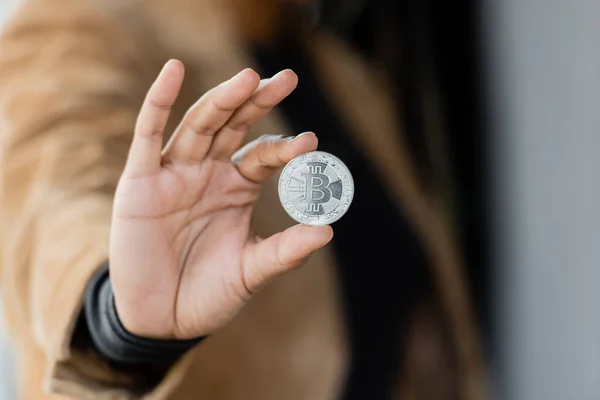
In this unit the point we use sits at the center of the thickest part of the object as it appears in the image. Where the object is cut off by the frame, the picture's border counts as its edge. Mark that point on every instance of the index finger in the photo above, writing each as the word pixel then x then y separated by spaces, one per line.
pixel 145 151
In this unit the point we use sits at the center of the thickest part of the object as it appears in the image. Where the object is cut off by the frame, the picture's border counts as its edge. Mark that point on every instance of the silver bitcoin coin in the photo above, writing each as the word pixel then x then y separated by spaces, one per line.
pixel 316 188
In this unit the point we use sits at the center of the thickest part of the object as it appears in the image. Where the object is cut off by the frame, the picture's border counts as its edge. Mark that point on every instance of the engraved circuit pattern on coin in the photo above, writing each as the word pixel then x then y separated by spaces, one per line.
pixel 316 188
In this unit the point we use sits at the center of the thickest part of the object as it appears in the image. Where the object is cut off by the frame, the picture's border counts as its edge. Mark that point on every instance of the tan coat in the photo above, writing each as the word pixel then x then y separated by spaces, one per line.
pixel 73 74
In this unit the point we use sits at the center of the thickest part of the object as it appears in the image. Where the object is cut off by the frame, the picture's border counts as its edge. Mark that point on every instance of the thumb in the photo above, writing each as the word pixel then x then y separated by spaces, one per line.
pixel 281 252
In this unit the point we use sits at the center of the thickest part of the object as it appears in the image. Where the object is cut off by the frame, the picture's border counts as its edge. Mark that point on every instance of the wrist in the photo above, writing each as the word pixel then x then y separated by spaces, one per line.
pixel 134 323
pixel 114 340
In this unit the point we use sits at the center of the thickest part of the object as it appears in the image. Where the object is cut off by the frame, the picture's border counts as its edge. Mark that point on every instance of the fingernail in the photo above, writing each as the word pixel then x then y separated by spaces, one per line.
pixel 270 138
pixel 244 71
pixel 237 76
pixel 300 135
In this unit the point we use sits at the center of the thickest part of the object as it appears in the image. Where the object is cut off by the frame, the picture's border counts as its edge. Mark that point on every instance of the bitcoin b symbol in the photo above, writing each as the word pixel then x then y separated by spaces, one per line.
pixel 317 191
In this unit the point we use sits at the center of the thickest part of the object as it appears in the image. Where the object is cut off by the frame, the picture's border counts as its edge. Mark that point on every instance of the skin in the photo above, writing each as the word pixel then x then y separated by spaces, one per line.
pixel 183 256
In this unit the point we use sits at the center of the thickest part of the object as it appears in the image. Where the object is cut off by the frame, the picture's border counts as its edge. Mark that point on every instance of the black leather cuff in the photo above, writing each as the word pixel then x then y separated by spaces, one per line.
pixel 112 340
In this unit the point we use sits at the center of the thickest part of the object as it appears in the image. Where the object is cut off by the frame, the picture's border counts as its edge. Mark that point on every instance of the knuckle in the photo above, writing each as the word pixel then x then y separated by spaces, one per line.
pixel 266 107
pixel 199 129
pixel 222 107
pixel 262 159
pixel 279 258
pixel 155 135
pixel 158 104
pixel 240 126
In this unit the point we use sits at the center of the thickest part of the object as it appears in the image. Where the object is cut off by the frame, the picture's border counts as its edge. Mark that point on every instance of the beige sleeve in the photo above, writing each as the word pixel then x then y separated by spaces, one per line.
pixel 72 78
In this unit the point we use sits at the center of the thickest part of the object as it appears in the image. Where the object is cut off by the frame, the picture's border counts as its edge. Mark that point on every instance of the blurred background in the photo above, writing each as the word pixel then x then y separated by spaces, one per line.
pixel 5 7
pixel 543 79
pixel 520 80
pixel 7 387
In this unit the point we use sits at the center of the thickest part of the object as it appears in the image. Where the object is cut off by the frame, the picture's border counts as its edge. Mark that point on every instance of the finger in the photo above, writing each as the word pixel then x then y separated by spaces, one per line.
pixel 258 160
pixel 270 93
pixel 282 252
pixel 145 152
pixel 194 135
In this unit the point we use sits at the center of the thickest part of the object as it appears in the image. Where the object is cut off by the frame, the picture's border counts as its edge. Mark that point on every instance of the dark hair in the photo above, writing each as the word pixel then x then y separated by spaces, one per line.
pixel 429 50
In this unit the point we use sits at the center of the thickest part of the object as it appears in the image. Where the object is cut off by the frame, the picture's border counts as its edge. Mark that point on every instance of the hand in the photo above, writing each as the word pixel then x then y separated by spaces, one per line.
pixel 183 257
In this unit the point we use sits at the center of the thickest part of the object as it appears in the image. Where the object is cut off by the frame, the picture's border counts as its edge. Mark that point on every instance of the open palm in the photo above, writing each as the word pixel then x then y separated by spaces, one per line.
pixel 183 258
